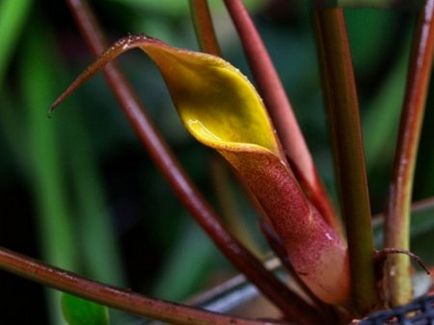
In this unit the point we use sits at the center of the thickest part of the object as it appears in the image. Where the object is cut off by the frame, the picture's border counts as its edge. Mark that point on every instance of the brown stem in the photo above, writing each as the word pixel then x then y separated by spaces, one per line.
pixel 385 252
pixel 343 113
pixel 189 195
pixel 203 27
pixel 280 110
pixel 111 296
pixel 397 274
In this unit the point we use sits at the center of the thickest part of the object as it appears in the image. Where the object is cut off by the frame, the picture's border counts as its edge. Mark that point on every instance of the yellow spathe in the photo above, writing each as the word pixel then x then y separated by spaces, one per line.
pixel 216 102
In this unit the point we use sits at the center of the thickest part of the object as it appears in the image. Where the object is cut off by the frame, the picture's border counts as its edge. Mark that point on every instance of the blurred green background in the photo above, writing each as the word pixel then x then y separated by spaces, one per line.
pixel 79 191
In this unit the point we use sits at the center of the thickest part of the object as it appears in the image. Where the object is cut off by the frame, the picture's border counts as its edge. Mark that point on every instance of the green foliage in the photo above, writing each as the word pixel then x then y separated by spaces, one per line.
pixel 13 15
pixel 78 311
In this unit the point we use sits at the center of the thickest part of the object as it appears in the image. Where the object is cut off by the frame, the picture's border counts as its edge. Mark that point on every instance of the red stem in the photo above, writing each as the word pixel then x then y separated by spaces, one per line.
pixel 113 297
pixel 398 277
pixel 186 191
pixel 281 113
pixel 203 26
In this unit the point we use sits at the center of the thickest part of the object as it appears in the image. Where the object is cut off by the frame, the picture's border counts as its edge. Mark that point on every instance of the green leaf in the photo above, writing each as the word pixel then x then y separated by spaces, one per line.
pixel 55 225
pixel 13 16
pixel 78 311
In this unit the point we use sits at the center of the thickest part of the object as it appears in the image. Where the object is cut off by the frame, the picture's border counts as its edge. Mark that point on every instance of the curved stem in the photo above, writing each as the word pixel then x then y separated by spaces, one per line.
pixel 241 258
pixel 385 252
pixel 397 273
pixel 111 296
pixel 280 110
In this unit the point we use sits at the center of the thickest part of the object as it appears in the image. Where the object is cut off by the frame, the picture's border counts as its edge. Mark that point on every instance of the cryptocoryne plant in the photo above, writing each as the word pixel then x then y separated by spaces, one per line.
pixel 333 260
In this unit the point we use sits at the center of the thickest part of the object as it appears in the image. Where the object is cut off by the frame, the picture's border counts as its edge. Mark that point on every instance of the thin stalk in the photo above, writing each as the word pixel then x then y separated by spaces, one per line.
pixel 111 296
pixel 343 113
pixel 382 254
pixel 203 27
pixel 280 110
pixel 186 191
pixel 397 275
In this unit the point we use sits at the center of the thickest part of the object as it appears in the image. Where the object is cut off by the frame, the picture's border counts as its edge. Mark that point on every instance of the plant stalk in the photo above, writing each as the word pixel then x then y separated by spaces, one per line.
pixel 398 269
pixel 343 113
pixel 111 296
pixel 203 27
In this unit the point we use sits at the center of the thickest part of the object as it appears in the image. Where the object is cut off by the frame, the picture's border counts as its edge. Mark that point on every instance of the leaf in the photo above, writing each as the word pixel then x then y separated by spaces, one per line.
pixel 46 171
pixel 222 110
pixel 79 311
pixel 13 16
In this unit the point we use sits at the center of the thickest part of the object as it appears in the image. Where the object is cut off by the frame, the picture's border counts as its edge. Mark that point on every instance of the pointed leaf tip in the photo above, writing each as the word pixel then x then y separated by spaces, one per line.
pixel 194 78
pixel 122 45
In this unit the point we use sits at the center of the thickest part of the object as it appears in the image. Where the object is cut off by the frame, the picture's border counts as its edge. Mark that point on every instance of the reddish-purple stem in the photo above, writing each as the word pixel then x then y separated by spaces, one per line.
pixel 281 113
pixel 113 297
pixel 203 26
pixel 248 264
